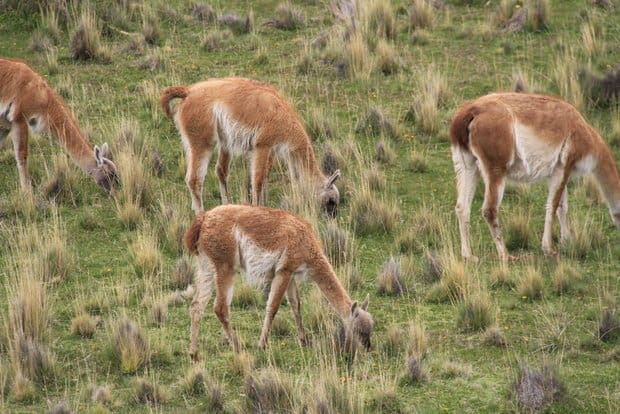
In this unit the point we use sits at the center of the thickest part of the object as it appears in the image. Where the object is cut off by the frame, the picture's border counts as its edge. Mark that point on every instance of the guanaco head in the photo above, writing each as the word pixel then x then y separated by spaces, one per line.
pixel 105 174
pixel 361 322
pixel 330 196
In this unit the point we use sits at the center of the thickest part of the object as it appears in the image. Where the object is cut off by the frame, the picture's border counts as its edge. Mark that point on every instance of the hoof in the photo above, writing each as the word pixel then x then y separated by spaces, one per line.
pixel 194 356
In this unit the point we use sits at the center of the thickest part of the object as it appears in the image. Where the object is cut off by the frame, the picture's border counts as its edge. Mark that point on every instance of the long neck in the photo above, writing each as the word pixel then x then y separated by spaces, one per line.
pixel 63 125
pixel 323 275
pixel 305 162
pixel 606 173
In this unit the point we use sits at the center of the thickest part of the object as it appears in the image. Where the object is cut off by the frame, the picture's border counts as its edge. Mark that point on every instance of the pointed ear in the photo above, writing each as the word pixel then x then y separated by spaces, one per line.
pixel 365 303
pixel 353 307
pixel 105 150
pixel 332 179
pixel 98 156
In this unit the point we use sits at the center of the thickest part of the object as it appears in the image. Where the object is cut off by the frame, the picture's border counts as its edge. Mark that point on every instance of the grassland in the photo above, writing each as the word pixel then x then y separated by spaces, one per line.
pixel 77 263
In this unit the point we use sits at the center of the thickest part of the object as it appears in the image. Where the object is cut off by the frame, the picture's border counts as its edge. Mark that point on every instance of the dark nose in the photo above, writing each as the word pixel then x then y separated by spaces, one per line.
pixel 330 209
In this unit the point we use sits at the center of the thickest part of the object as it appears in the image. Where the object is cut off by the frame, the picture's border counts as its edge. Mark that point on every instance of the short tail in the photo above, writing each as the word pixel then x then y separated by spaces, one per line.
pixel 459 128
pixel 193 234
pixel 170 93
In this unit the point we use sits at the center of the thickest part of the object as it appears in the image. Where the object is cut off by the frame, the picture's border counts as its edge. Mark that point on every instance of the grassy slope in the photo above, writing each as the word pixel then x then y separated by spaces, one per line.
pixel 473 65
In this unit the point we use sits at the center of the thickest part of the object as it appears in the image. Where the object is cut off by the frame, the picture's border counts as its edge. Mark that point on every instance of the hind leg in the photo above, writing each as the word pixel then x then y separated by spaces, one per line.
pixel 292 295
pixel 279 286
pixel 197 164
pixel 20 145
pixel 203 282
pixel 562 213
pixel 494 192
pixel 223 164
pixel 223 297
pixel 467 177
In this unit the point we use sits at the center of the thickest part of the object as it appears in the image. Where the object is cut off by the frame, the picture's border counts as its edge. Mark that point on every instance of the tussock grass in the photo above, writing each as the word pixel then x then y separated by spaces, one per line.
pixel 565 276
pixel 100 393
pixel 390 279
pixel 455 369
pixel 172 225
pixel 51 61
pixel 593 37
pixel 376 123
pixel 421 15
pixel 269 390
pixel 242 364
pixel 586 238
pixel 159 312
pixel 591 191
pixel 150 392
pixel 58 408
pixel 337 244
pixel 183 273
pixel 151 31
pixel 358 61
pixel 384 153
pixel 237 24
pixel 502 277
pixel 394 340
pixel 552 327
pixel 475 312
pixel 518 233
pixel 129 345
pixel 373 215
pixel 377 19
pixel 453 283
pixel 375 178
pixel 154 61
pixel 416 163
pixel 494 336
pixel 204 13
pixel 319 125
pixel 147 257
pixel 51 22
pixel 539 15
pixel 288 17
pixel 198 383
pixel 565 74
pixel 433 88
pixel 530 287
pixel 86 41
pixel 388 61
pixel 246 296
pixel 83 325
pixel 415 372
pixel 418 340
pixel 535 390
pixel 40 43
pixel 212 41
pixel 63 181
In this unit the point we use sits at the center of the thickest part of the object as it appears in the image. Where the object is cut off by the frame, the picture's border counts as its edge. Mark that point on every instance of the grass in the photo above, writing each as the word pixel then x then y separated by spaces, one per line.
pixel 353 85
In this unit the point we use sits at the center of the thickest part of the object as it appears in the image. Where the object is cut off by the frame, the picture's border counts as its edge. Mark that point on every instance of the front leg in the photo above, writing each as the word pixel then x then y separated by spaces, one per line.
pixel 279 286
pixel 20 145
pixel 562 214
pixel 259 166
pixel 223 164
pixel 292 295
pixel 557 190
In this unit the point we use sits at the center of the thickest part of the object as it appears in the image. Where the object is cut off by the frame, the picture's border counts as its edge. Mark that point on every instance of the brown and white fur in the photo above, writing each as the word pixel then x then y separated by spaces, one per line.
pixel 271 246
pixel 526 137
pixel 245 117
pixel 27 100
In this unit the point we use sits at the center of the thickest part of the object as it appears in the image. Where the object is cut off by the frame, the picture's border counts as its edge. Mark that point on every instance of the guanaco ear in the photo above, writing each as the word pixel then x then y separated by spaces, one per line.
pixel 105 150
pixel 98 156
pixel 332 179
pixel 365 303
pixel 353 307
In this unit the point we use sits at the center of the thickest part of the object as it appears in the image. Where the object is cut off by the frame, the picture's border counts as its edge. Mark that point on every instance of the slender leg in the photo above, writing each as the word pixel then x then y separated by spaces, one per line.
pixel 259 164
pixel 279 286
pixel 557 190
pixel 292 295
pixel 265 187
pixel 467 177
pixel 562 214
pixel 203 282
pixel 223 164
pixel 494 192
pixel 224 288
pixel 197 164
pixel 20 144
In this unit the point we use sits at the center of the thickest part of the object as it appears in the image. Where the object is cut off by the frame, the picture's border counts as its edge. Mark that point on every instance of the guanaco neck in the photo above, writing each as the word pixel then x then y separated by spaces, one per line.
pixel 608 177
pixel 305 161
pixel 325 277
pixel 63 125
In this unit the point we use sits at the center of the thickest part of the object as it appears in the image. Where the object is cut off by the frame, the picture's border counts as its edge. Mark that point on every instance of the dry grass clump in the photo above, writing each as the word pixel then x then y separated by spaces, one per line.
pixel 40 43
pixel 377 19
pixel 268 390
pixel 84 325
pixel 357 60
pixel 62 182
pixel 418 340
pixel 494 336
pixel 154 61
pixel 388 60
pixel 172 225
pixel 565 74
pixel 475 312
pixel 586 238
pixel 539 16
pixel 371 214
pixel 608 325
pixel 535 390
pixel 531 284
pixel 246 296
pixel 183 273
pixel 374 177
pixel 593 37
pixel 242 364
pixel 147 257
pixel 517 231
pixel 376 122
pixel 288 17
pixel 421 15
pixel 86 40
pixel 51 19
pixel 591 191
pixel 602 91
pixel 151 32
pixel 454 369
pixel 433 88
pixel 384 153
pixel 319 125
pixel 433 265
pixel 136 188
pixel 148 392
pixel 390 280
pixel 453 283
pixel 331 395
pixel 129 345
pixel 212 40
pixel 416 163
pixel 100 393
pixel 51 61
pixel 337 245
pixel 204 13
pixel 394 340
pixel 564 277
pixel 239 25
pixel 552 325
pixel 501 277
pixel 159 312
pixel 197 383
pixel 58 408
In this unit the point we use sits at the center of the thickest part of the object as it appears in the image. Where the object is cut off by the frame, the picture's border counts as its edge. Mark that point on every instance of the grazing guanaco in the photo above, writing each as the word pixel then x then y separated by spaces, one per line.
pixel 245 117
pixel 527 138
pixel 28 101
pixel 271 246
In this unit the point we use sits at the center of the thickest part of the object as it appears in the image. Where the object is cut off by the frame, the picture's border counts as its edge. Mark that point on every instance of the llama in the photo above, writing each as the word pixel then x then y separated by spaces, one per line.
pixel 271 246
pixel 245 117
pixel 526 137
pixel 27 100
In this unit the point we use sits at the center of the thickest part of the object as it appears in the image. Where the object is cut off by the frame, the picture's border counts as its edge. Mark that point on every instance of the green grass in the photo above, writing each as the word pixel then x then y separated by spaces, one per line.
pixel 102 279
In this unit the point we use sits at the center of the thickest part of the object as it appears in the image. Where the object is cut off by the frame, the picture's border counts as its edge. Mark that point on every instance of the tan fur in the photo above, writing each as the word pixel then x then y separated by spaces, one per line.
pixel 295 250
pixel 245 117
pixel 525 137
pixel 26 98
